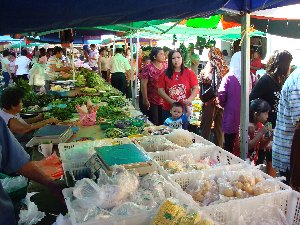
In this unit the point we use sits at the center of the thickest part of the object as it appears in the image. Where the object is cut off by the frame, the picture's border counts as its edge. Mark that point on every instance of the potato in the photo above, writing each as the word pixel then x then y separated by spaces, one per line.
pixel 228 192
pixel 198 196
pixel 248 188
pixel 238 184
pixel 258 179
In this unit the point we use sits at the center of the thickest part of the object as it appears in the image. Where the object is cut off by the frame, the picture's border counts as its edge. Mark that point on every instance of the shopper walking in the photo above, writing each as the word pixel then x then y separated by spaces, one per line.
pixel 5 67
pixel 22 65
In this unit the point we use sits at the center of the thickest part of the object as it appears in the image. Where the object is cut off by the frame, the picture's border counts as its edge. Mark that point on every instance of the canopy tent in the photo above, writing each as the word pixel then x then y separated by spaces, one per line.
pixel 31 17
pixel 34 17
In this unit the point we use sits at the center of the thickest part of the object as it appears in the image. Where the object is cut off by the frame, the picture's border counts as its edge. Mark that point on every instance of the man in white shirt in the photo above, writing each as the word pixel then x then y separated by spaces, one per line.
pixel 119 67
pixel 22 66
pixel 93 57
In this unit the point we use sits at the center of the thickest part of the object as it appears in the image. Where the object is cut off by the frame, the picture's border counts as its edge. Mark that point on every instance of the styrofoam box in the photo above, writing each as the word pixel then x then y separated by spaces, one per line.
pixel 288 202
pixel 184 179
pixel 213 152
pixel 139 219
pixel 72 164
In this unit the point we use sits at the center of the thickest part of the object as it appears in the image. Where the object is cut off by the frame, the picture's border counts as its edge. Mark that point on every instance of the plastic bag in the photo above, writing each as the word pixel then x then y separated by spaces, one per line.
pixel 62 220
pixel 266 186
pixel 203 191
pixel 181 137
pixel 11 184
pixel 51 166
pixel 127 209
pixel 31 215
pixel 158 143
pixel 264 215
pixel 144 198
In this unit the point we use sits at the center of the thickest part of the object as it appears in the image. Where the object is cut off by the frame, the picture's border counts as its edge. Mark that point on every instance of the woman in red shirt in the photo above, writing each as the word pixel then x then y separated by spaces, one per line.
pixel 177 84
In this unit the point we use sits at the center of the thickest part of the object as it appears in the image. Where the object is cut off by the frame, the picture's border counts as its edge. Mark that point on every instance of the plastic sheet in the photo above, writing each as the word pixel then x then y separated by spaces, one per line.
pixel 11 184
pixel 31 215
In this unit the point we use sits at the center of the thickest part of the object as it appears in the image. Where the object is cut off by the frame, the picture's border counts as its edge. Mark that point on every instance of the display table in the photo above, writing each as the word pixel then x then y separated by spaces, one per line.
pixel 44 199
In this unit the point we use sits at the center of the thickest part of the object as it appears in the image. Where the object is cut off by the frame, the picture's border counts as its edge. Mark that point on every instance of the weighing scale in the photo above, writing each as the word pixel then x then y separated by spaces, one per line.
pixel 51 133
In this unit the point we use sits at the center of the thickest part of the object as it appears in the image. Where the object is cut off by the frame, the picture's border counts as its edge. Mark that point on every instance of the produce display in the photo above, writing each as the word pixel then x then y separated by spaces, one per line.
pixel 171 212
pixel 230 185
pixel 61 114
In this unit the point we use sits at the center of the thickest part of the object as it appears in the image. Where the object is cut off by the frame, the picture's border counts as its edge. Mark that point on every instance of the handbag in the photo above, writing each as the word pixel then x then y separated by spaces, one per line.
pixel 208 91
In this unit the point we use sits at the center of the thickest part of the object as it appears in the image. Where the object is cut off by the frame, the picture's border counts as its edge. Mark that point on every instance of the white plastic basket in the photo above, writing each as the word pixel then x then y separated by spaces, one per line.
pixel 184 179
pixel 215 153
pixel 73 164
pixel 199 139
pixel 139 219
pixel 228 213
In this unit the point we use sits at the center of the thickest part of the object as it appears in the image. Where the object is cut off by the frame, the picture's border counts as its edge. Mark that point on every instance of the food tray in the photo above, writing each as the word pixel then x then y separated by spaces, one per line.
pixel 184 179
pixel 228 213
pixel 138 219
pixel 215 153
pixel 71 164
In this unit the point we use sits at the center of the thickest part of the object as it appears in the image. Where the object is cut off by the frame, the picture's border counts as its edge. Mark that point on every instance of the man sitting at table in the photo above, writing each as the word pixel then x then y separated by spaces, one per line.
pixel 11 103
pixel 13 159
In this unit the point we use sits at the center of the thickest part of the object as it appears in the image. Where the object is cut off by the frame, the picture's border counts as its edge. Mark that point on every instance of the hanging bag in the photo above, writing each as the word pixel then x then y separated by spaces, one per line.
pixel 208 91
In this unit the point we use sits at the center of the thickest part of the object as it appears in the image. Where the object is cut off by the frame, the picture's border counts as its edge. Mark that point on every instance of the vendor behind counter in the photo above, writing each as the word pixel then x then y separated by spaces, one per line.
pixel 11 106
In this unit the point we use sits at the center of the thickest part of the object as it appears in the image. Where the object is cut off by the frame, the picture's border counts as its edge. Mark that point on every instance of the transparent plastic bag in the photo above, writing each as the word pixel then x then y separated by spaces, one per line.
pixel 181 137
pixel 203 191
pixel 31 215
pixel 128 209
pixel 152 181
pixel 157 143
pixel 144 198
pixel 264 215
pixel 266 186
pixel 11 184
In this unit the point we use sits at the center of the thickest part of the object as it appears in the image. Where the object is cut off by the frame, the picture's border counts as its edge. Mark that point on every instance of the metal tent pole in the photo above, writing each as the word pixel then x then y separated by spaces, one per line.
pixel 245 79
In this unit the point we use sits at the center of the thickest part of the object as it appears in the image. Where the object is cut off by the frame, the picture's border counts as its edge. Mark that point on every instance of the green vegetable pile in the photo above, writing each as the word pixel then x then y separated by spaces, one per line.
pixel 119 101
pixel 80 80
pixel 60 114
pixel 114 133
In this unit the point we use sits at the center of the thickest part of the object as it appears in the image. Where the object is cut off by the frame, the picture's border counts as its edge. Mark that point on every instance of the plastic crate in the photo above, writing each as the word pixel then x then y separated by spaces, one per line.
pixel 184 179
pixel 215 153
pixel 199 139
pixel 138 219
pixel 71 164
pixel 227 213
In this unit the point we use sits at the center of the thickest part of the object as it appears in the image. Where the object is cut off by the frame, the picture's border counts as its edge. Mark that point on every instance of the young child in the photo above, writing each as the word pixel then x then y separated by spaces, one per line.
pixel 258 140
pixel 179 119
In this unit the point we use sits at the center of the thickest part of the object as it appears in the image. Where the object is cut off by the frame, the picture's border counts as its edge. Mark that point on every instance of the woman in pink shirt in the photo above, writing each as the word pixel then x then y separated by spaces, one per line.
pixel 149 77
